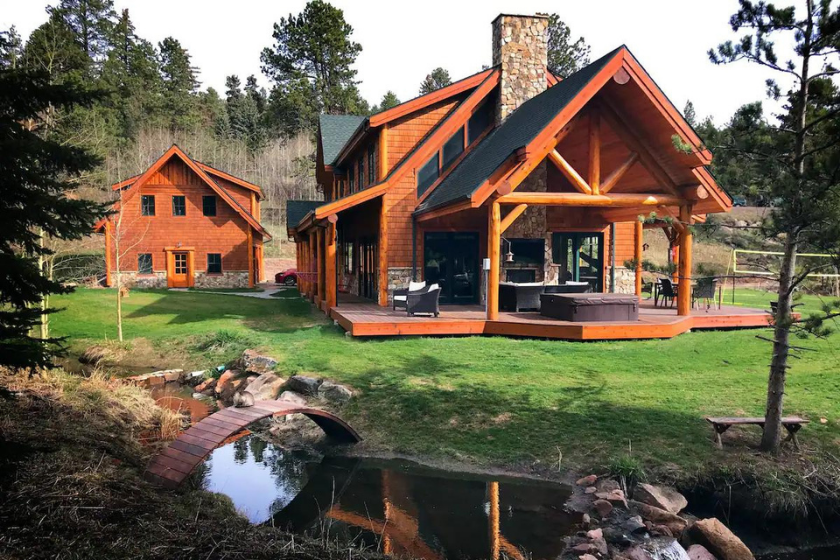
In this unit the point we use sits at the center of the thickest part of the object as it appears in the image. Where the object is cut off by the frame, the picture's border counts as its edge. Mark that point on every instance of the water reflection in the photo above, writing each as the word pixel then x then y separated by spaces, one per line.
pixel 393 506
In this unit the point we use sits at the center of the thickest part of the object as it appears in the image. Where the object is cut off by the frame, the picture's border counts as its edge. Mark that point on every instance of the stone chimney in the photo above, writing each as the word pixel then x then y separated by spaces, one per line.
pixel 520 46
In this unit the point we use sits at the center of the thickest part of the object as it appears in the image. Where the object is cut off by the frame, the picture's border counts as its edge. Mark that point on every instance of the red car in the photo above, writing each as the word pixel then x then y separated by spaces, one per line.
pixel 287 277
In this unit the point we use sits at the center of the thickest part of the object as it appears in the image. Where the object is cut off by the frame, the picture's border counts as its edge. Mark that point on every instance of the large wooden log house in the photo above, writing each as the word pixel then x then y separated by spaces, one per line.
pixel 544 176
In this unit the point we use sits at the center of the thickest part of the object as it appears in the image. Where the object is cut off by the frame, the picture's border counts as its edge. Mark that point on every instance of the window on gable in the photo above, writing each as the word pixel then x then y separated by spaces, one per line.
pixel 427 175
pixel 147 205
pixel 479 121
pixel 179 205
pixel 351 184
pixel 208 205
pixel 361 173
pixel 144 263
pixel 452 149
pixel 371 165
pixel 214 263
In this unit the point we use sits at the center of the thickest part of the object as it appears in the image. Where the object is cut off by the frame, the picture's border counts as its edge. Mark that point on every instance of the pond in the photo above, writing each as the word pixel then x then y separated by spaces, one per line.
pixel 392 506
pixel 401 507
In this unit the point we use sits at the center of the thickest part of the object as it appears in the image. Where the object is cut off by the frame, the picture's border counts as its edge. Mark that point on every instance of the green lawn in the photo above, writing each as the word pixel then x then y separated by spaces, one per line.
pixel 493 400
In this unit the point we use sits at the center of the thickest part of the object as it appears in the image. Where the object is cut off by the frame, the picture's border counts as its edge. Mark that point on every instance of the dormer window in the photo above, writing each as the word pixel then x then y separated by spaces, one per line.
pixel 428 174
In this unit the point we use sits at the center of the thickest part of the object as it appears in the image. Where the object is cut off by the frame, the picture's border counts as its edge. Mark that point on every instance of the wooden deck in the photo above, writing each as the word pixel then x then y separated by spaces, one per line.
pixel 365 318
pixel 174 464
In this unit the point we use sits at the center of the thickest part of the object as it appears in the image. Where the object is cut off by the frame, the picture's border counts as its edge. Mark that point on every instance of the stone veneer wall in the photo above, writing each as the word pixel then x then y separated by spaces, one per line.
pixel 625 280
pixel 520 46
pixel 230 279
pixel 398 277
pixel 532 225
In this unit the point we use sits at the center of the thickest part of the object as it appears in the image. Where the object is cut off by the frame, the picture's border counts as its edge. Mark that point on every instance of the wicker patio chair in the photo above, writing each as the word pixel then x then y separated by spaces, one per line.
pixel 425 301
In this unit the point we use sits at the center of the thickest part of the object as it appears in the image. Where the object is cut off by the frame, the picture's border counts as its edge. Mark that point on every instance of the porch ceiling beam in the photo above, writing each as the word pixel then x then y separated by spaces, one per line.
pixel 618 173
pixel 512 215
pixel 625 132
pixel 569 172
pixel 522 170
pixel 580 199
pixel 674 216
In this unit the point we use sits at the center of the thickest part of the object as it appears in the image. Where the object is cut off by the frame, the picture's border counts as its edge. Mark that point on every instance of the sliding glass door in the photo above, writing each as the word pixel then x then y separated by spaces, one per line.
pixel 580 257
pixel 451 260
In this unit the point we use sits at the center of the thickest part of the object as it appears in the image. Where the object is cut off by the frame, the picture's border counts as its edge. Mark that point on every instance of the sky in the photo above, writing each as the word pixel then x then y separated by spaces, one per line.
pixel 404 40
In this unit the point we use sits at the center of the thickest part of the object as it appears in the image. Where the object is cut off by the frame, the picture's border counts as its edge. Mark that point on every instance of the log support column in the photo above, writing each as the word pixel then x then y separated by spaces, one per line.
pixel 637 255
pixel 310 294
pixel 383 254
pixel 494 241
pixel 319 267
pixel 684 294
pixel 330 272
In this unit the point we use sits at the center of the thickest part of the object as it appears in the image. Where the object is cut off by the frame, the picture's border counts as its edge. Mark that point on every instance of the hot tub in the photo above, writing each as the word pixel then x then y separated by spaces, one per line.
pixel 590 307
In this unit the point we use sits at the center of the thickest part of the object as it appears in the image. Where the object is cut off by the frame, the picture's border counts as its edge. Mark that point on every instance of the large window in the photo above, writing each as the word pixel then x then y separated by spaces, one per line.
pixel 147 205
pixel 371 165
pixel 351 183
pixel 452 149
pixel 179 205
pixel 480 121
pixel 427 175
pixel 208 205
pixel 361 173
pixel 214 263
pixel 144 263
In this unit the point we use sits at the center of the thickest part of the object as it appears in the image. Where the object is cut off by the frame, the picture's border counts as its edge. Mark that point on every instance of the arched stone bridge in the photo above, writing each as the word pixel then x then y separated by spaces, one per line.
pixel 174 464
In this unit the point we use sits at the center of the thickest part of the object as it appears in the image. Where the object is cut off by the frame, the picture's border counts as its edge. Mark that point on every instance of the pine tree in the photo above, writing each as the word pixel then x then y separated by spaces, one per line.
pixel 799 158
pixel 565 57
pixel 310 64
pixel 36 172
pixel 91 22
pixel 11 51
pixel 435 80
pixel 389 100
pixel 52 48
pixel 180 82
pixel 132 75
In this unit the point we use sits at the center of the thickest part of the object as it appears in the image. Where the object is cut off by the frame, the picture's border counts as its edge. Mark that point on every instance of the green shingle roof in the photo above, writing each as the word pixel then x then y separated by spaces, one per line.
pixel 297 209
pixel 517 131
pixel 336 130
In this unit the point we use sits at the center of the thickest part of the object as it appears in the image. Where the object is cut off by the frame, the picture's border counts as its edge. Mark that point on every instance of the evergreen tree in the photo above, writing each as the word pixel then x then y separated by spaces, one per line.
pixel 11 50
pixel 36 172
pixel 437 79
pixel 132 75
pixel 799 159
pixel 389 100
pixel 91 22
pixel 310 64
pixel 180 83
pixel 255 93
pixel 565 57
pixel 689 113
pixel 52 48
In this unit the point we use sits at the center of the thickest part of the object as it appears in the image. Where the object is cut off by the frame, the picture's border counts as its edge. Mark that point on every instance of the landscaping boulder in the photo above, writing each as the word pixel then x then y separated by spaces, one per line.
pixel 637 553
pixel 719 540
pixel 228 384
pixel 663 497
pixel 634 525
pixel 170 375
pixel 206 386
pixel 224 380
pixel 291 396
pixel 303 384
pixel 587 480
pixel 615 497
pixel 659 516
pixel 334 393
pixel 699 552
pixel 603 507
pixel 265 387
pixel 252 361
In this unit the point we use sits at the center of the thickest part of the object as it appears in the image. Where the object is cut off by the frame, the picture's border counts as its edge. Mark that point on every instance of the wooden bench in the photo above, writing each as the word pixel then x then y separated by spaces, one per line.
pixel 791 423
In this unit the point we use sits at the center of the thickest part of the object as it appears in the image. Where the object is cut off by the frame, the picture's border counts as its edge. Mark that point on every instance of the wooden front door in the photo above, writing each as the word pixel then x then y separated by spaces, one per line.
pixel 180 275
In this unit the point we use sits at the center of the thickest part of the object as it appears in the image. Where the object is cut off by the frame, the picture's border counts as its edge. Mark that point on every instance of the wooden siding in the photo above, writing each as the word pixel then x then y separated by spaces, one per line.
pixel 401 199
pixel 226 233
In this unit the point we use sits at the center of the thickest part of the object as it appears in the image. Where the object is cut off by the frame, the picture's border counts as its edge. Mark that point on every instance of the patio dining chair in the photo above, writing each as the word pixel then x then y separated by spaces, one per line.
pixel 667 291
pixel 400 295
pixel 704 289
